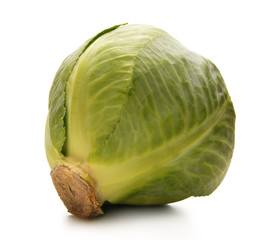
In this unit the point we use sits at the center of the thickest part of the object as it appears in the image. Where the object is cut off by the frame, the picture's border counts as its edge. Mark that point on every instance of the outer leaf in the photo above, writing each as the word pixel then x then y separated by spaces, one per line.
pixel 174 136
pixel 55 126
pixel 99 87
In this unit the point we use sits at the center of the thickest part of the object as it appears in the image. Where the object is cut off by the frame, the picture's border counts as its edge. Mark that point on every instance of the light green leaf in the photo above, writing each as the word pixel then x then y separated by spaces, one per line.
pixel 57 108
pixel 173 115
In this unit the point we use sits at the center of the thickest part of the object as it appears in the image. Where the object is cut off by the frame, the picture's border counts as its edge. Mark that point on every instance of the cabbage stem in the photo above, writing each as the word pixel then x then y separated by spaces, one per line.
pixel 77 193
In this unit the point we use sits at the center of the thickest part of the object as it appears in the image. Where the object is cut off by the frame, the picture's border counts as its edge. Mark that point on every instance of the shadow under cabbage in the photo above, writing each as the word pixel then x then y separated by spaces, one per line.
pixel 129 212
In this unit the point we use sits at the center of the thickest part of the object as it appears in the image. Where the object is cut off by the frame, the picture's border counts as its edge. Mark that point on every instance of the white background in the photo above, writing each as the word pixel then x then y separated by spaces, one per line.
pixel 238 36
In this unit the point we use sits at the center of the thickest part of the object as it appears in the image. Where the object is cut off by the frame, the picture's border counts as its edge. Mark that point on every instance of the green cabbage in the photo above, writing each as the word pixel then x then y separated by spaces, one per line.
pixel 144 119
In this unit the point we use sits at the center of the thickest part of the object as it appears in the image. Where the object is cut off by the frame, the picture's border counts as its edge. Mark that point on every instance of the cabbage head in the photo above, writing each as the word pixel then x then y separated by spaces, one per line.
pixel 137 118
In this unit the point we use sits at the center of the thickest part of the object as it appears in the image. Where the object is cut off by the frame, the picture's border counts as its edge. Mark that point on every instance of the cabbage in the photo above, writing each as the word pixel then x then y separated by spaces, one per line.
pixel 137 118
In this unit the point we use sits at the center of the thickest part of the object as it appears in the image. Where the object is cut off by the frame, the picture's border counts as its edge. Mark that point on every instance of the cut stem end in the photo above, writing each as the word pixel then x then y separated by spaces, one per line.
pixel 77 194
